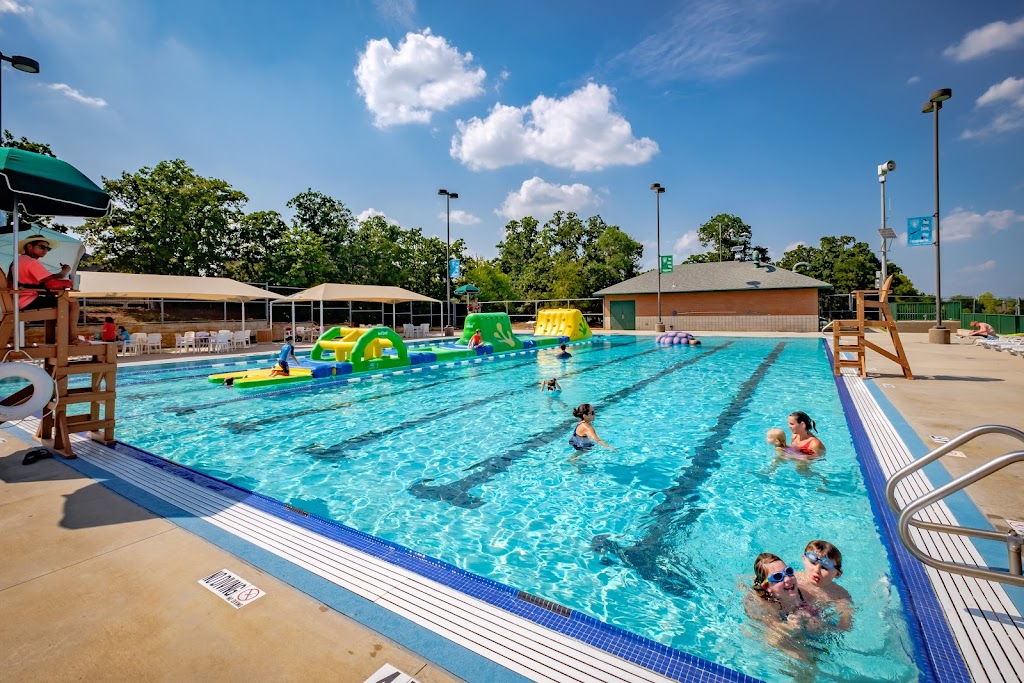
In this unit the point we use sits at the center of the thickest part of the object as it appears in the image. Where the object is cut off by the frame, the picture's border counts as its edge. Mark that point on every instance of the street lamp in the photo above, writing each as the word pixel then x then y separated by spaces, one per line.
pixel 449 196
pixel 658 189
pixel 938 335
pixel 26 64
pixel 886 232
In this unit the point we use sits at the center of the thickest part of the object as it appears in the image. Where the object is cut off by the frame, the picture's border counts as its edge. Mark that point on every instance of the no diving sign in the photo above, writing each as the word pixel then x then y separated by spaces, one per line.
pixel 235 590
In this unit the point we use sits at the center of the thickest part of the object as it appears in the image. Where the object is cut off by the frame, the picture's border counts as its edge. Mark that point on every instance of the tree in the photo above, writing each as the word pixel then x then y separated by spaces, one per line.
pixel 259 240
pixel 525 257
pixel 722 233
pixel 493 284
pixel 27 145
pixel 846 264
pixel 167 220
pixel 331 221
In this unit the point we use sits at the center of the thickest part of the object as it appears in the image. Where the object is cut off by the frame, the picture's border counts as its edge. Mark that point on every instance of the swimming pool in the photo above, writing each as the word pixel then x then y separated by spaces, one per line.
pixel 470 464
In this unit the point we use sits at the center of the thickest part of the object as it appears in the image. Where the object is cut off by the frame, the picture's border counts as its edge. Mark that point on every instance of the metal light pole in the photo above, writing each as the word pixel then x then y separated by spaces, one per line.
pixel 658 190
pixel 26 64
pixel 939 334
pixel 449 196
pixel 884 231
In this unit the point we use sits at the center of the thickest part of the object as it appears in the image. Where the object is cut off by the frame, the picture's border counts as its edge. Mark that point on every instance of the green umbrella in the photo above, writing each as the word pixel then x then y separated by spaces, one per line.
pixel 45 186
pixel 467 289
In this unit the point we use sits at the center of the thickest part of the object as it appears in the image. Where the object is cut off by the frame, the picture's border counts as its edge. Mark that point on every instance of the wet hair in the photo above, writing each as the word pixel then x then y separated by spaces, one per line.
pixel 826 549
pixel 804 419
pixel 562 346
pixel 761 573
pixel 552 382
pixel 582 410
pixel 777 436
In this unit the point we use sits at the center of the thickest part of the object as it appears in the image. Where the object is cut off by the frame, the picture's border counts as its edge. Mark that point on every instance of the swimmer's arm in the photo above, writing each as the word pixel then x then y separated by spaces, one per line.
pixel 817 447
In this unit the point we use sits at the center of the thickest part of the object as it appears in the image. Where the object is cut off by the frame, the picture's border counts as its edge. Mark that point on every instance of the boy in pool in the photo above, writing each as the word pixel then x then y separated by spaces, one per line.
pixel 823 564
pixel 281 369
pixel 550 385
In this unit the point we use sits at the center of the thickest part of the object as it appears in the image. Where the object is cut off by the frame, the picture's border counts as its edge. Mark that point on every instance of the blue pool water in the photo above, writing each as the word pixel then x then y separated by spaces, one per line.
pixel 470 464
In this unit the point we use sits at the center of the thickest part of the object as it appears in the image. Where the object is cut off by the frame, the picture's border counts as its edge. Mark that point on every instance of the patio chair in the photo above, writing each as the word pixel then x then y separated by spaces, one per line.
pixel 424 329
pixel 221 342
pixel 154 342
pixel 407 331
pixel 240 339
pixel 179 341
pixel 190 341
pixel 300 334
pixel 135 344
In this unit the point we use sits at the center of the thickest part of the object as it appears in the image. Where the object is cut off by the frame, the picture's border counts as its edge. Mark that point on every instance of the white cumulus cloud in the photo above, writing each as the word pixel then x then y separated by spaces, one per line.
pixel 979 267
pixel 370 213
pixel 460 217
pixel 983 41
pixel 78 96
pixel 541 199
pixel 686 245
pixel 962 224
pixel 13 7
pixel 423 75
pixel 579 132
pixel 1006 100
pixel 913 79
pixel 1011 90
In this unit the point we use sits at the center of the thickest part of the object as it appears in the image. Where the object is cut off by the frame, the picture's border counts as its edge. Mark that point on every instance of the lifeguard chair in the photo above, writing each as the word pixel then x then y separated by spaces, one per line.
pixel 848 335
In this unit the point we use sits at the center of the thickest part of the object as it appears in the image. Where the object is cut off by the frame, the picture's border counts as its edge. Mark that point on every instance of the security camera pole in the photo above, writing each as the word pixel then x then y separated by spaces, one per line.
pixel 885 232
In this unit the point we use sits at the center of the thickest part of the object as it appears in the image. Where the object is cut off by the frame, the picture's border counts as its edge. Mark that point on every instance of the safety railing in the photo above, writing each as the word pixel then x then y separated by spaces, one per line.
pixel 1013 540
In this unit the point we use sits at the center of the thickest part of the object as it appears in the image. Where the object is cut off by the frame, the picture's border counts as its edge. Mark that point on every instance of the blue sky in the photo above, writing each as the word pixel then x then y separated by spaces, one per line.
pixel 778 111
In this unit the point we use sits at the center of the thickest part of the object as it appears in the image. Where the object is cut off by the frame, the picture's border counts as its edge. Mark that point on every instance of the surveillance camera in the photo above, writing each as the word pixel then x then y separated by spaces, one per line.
pixel 886 167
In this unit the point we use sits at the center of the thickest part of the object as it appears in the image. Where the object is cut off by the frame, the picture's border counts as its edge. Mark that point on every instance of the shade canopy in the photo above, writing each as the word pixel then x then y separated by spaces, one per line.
pixel 467 289
pixel 47 186
pixel 133 286
pixel 375 293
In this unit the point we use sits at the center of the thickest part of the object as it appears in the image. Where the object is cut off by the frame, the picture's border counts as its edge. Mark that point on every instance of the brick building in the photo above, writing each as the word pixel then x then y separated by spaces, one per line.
pixel 727 296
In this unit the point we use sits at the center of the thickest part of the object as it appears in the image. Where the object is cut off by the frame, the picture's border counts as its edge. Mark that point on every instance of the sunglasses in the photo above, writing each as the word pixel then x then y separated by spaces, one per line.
pixel 778 577
pixel 40 245
pixel 825 563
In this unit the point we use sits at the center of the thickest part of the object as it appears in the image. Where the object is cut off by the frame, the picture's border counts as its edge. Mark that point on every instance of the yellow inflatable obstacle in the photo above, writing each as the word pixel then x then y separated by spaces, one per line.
pixel 345 341
pixel 562 322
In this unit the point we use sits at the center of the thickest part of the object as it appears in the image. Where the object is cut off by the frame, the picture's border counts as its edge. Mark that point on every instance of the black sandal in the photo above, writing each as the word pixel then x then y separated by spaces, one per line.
pixel 36 455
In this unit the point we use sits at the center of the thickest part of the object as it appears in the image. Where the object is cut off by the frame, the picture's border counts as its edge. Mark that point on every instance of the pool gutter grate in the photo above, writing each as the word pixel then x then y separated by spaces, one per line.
pixel 544 604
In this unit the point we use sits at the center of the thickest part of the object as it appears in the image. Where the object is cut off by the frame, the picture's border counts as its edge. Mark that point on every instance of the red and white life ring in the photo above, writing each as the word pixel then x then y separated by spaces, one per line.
pixel 42 389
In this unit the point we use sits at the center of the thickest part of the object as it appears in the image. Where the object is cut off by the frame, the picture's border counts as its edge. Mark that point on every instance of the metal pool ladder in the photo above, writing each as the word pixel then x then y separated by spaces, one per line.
pixel 1013 540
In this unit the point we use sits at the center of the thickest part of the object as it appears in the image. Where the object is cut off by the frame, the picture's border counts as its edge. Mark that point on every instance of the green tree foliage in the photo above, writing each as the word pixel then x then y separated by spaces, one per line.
pixel 167 220
pixel 330 221
pixel 27 145
pixel 494 285
pixel 721 233
pixel 846 264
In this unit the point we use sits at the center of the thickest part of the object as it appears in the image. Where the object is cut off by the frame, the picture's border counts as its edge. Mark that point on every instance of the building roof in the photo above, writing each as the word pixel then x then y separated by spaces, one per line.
pixel 715 277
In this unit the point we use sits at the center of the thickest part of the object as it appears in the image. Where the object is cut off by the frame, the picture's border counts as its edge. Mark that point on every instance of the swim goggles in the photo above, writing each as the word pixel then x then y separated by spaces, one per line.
pixel 778 577
pixel 826 563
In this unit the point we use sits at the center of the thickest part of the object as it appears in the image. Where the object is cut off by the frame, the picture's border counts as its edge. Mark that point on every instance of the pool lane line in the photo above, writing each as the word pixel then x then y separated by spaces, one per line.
pixel 331 452
pixel 344 380
pixel 457 493
pixel 248 426
pixel 681 508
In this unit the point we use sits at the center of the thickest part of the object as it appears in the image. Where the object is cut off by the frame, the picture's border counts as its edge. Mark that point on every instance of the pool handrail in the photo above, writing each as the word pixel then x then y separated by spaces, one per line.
pixel 906 519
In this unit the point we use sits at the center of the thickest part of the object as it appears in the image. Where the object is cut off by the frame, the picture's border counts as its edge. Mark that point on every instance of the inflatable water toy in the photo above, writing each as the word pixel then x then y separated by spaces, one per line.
pixel 668 338
pixel 562 322
pixel 351 351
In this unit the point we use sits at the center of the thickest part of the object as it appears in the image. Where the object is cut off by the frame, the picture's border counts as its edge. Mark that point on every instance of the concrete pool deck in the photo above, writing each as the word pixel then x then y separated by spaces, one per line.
pixel 93 586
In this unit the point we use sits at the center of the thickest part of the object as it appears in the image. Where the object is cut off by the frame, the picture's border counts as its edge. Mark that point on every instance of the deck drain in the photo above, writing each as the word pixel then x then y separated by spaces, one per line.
pixel 544 604
pixel 296 510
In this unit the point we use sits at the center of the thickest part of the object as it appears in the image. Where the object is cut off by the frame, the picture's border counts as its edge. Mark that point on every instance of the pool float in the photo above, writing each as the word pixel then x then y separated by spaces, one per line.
pixel 668 338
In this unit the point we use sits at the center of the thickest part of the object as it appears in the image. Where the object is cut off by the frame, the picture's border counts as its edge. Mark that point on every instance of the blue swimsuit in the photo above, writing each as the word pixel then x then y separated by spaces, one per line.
pixel 580 443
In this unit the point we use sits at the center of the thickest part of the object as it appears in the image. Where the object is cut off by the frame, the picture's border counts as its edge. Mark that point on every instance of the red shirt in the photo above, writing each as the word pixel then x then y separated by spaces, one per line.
pixel 109 332
pixel 30 272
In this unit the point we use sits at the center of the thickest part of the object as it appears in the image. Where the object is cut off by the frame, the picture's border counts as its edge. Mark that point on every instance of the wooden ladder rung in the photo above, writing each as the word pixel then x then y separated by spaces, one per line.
pixel 82 395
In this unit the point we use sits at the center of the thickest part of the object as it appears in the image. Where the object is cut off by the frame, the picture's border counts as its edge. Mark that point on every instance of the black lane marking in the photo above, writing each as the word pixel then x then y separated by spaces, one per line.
pixel 681 508
pixel 337 451
pixel 458 492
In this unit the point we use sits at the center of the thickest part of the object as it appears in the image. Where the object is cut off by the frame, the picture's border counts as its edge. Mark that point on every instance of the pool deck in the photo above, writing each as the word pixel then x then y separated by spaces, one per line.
pixel 92 586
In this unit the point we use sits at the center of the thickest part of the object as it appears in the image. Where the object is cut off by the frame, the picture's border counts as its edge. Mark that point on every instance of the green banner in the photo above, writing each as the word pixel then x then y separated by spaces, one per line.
pixel 666 264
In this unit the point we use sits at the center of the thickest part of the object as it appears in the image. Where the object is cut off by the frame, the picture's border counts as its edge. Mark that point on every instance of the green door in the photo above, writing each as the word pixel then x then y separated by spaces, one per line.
pixel 623 315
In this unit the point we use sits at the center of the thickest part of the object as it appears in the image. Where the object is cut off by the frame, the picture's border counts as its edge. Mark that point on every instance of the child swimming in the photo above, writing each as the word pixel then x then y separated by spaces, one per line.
pixel 776 437
pixel 823 564
pixel 550 386
pixel 775 598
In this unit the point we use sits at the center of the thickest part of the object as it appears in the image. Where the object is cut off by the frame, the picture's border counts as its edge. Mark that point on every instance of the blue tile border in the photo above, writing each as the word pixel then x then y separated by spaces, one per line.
pixel 936 653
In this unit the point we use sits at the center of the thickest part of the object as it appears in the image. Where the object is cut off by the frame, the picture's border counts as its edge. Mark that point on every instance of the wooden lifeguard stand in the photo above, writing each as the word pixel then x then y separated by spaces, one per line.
pixel 98 361
pixel 848 335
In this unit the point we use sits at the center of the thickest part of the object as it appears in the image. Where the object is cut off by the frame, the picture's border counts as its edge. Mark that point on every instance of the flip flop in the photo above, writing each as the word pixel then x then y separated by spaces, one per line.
pixel 36 455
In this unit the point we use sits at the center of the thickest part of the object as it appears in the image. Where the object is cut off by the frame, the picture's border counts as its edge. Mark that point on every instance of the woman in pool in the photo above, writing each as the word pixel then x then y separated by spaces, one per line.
pixel 803 441
pixel 583 435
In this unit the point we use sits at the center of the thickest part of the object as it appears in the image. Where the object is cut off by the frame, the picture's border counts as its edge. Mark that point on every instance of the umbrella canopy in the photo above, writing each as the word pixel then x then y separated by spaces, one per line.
pixel 46 186
pixel 375 293
pixel 131 285
pixel 64 247
pixel 467 289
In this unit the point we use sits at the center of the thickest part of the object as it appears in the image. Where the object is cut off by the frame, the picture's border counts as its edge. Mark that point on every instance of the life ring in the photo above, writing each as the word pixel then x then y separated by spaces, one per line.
pixel 42 389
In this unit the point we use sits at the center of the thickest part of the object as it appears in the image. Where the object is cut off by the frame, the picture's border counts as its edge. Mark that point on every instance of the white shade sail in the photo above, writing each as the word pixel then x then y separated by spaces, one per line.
pixel 374 293
pixel 193 288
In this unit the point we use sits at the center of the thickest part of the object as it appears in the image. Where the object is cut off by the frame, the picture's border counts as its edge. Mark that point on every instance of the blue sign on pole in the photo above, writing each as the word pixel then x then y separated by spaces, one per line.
pixel 453 268
pixel 919 231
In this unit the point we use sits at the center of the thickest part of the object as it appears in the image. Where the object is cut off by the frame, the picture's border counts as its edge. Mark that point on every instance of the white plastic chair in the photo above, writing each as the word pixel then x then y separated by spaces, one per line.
pixel 240 340
pixel 407 331
pixel 222 342
pixel 190 341
pixel 179 342
pixel 424 329
pixel 136 342
pixel 154 342
pixel 300 334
